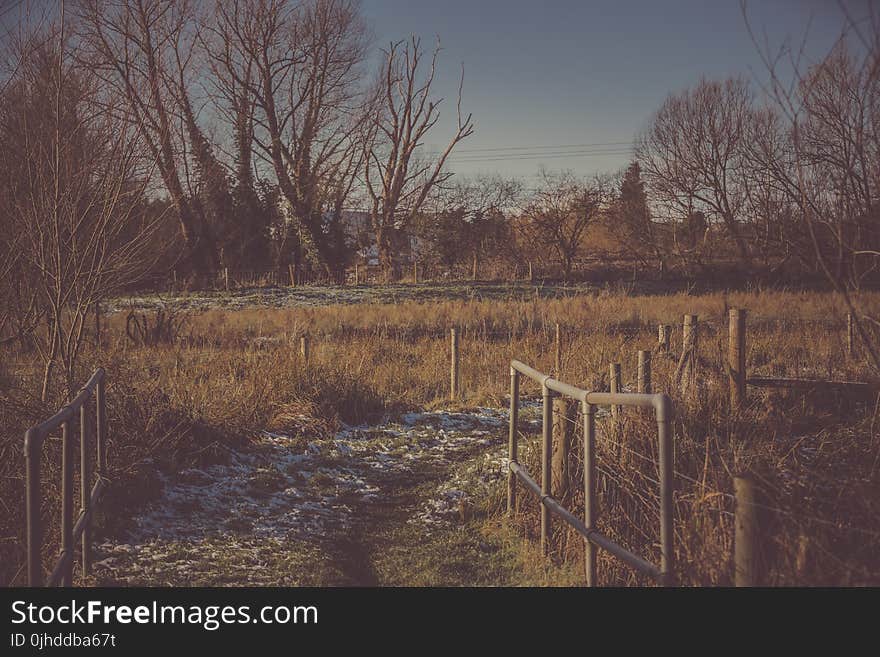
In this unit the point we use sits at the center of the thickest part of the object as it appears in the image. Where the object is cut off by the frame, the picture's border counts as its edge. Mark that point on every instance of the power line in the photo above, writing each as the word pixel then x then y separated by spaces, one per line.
pixel 509 158
pixel 543 147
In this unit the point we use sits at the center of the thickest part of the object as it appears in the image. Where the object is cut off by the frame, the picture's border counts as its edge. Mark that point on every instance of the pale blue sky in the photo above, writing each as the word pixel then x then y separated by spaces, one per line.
pixel 562 72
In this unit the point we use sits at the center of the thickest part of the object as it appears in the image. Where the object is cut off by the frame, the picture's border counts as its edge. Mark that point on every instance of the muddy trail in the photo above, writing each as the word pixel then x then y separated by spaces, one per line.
pixel 394 504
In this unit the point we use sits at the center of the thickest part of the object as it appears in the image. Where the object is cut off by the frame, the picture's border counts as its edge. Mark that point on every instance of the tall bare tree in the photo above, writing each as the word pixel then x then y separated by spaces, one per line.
pixel 693 153
pixel 140 49
pixel 399 177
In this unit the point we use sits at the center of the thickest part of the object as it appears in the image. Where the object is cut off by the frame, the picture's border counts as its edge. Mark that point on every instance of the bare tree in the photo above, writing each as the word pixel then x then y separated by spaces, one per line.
pixel 693 153
pixel 559 213
pixel 76 179
pixel 398 176
pixel 297 68
pixel 140 50
pixel 828 164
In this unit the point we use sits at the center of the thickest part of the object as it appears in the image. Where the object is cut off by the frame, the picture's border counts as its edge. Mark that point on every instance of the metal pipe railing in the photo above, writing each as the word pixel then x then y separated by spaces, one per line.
pixel 62 572
pixel 662 406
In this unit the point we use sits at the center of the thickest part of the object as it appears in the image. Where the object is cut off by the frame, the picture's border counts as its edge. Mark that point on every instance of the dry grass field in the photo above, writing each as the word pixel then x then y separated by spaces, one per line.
pixel 226 379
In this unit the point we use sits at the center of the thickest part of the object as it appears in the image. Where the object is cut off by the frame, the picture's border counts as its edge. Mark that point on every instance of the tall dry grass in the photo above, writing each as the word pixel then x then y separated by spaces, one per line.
pixel 231 374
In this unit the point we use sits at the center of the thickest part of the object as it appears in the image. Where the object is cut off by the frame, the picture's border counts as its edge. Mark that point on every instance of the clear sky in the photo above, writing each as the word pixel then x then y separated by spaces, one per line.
pixel 563 73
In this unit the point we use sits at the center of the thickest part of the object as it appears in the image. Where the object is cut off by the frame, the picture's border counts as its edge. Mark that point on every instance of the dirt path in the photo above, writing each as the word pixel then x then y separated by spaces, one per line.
pixel 384 505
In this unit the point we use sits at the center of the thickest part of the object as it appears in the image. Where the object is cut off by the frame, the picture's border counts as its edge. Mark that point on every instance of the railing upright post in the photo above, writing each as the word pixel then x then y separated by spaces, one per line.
pixel 455 374
pixel 32 504
pixel 85 480
pixel 667 488
pixel 67 504
pixel 589 488
pixel 546 454
pixel 512 441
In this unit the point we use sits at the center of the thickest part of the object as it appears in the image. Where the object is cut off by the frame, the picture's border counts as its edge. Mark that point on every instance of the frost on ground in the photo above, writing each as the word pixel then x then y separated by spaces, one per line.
pixel 246 522
pixel 285 297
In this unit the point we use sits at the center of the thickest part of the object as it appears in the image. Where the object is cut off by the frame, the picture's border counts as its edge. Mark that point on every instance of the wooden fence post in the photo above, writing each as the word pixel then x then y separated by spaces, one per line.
pixel 564 420
pixel 736 349
pixel 531 274
pixel 304 347
pixel 663 331
pixel 746 546
pixel 474 272
pixel 292 274
pixel 614 376
pixel 558 357
pixel 686 371
pixel 226 277
pixel 455 379
pixel 644 385
pixel 850 336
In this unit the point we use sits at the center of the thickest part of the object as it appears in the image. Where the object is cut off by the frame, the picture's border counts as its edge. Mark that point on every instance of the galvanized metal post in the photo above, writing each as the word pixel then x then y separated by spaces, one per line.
pixel 455 379
pixel 85 481
pixel 663 410
pixel 589 488
pixel 546 449
pixel 614 377
pixel 746 548
pixel 512 441
pixel 101 427
pixel 736 366
pixel 32 509
pixel 644 381
pixel 67 503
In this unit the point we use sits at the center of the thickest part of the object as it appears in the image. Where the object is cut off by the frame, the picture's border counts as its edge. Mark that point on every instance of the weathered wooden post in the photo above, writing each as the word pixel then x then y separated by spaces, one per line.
pixel 663 333
pixel 850 336
pixel 736 366
pixel 614 377
pixel 644 380
pixel 686 371
pixel 564 420
pixel 455 379
pixel 291 272
pixel 226 278
pixel 558 357
pixel 304 347
pixel 746 546
pixel 531 274
pixel 474 272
